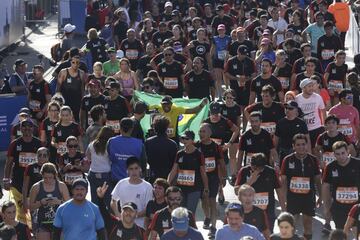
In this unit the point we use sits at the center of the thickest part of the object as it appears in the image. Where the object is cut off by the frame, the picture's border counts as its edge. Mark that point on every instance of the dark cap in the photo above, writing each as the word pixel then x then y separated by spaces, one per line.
pixel 235 207
pixel 188 134
pixel 215 108
pixel 219 8
pixel 290 30
pixel 111 50
pixel 140 107
pixel 291 104
pixel 27 121
pixel 166 100
pixel 80 182
pixel 19 62
pixel 24 111
pixel 258 160
pixel 243 50
pixel 114 85
pixel 130 205
pixel 175 13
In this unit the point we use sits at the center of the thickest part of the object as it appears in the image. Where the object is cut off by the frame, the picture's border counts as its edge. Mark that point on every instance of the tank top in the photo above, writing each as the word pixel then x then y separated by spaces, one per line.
pixel 127 86
pixel 46 214
pixel 221 45
pixel 71 91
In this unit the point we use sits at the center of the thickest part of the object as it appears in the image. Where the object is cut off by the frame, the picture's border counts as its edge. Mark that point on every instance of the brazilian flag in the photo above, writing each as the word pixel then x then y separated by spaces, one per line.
pixel 185 121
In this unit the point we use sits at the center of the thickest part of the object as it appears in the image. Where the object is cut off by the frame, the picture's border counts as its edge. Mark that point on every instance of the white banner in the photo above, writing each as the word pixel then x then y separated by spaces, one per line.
pixel 352 37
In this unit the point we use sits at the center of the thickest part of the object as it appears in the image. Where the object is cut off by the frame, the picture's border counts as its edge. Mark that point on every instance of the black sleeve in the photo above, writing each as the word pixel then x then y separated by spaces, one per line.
pixel 101 234
pixel 56 234
pixel 109 222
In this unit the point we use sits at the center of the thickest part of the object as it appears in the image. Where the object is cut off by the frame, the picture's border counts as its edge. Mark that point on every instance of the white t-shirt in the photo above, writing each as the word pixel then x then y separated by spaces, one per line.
pixel 311 108
pixel 280 25
pixel 140 194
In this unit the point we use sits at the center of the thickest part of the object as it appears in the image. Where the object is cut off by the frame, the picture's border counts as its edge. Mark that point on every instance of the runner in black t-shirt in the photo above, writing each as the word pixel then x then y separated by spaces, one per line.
pixel 143 65
pixel 160 186
pixel 335 76
pixel 340 188
pixel 93 98
pixel 200 48
pixel 172 74
pixel 241 40
pixel 199 82
pixel 264 179
pixel 161 222
pixel 263 79
pixel 256 140
pixel 216 173
pixel 300 172
pixel 253 214
pixel 15 131
pixel 221 18
pixel 310 67
pixel 97 47
pixel 271 112
pixel 282 70
pixel 287 128
pixel 116 106
pixel 132 48
pixel 159 37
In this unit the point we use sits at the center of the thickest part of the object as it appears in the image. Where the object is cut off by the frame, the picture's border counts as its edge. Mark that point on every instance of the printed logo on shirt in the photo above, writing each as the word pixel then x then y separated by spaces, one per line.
pixel 291 165
pixel 181 160
pixel 335 173
pixel 119 233
pixel 248 142
pixel 138 195
pixel 18 148
pixel 326 142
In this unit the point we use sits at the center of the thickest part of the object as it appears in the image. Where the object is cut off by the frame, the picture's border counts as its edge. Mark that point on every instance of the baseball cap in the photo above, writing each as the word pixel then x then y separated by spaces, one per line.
pixel 111 50
pixel 130 205
pixel 24 111
pixel 68 28
pixel 114 85
pixel 305 82
pixel 221 26
pixel 19 62
pixel 188 134
pixel 175 13
pixel 180 224
pixel 290 30
pixel 291 104
pixel 168 4
pixel 265 41
pixel 27 122
pixel 94 82
pixel 215 108
pixel 219 8
pixel 80 182
pixel 243 50
pixel 236 206
pixel 166 100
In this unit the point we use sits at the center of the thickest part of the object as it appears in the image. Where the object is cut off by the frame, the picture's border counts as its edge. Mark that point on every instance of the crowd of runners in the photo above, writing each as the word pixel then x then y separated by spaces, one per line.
pixel 283 127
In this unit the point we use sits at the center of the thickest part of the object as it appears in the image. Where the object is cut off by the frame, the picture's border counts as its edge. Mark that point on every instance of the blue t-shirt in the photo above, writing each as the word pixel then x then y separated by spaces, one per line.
pixel 78 221
pixel 119 149
pixel 315 33
pixel 246 230
pixel 192 234
pixel 221 46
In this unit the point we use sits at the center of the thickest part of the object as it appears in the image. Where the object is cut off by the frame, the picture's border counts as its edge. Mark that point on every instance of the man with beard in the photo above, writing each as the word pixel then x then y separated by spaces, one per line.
pixel 161 222
pixel 79 218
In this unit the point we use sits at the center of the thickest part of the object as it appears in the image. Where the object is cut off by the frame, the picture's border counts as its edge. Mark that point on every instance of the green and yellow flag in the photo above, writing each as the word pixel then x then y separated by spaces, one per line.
pixel 185 122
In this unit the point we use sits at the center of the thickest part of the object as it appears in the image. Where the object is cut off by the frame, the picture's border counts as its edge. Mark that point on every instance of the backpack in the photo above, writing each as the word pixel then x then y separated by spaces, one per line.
pixel 56 52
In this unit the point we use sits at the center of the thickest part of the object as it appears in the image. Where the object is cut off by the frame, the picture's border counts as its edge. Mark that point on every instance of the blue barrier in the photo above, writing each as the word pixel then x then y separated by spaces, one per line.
pixel 10 106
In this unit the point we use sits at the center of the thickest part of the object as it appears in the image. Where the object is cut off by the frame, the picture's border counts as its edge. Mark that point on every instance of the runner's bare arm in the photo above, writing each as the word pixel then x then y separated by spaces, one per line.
pixel 173 173
pixel 60 80
pixel 326 196
pixel 348 225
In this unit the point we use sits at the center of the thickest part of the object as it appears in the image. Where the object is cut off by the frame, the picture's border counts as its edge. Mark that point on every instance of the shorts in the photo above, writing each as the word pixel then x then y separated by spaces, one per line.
pixel 314 135
pixel 340 214
pixel 217 63
pixel 305 206
pixel 214 184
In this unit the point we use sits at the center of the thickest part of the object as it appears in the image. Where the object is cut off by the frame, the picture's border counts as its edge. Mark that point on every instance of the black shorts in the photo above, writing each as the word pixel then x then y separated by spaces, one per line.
pixel 302 205
pixel 217 63
pixel 339 214
pixel 314 135
pixel 214 183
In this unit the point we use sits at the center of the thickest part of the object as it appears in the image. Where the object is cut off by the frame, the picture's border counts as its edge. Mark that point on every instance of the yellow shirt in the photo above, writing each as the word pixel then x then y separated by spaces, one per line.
pixel 173 116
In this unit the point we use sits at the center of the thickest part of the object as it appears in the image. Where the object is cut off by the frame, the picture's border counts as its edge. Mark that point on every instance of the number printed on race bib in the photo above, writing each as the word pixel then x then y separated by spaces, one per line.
pixel 300 185
pixel 35 105
pixel 269 126
pixel 326 54
pixel 114 124
pixel 171 83
pixel 222 54
pixel 285 82
pixel 70 177
pixel 132 54
pixel 26 158
pixel 186 177
pixel 328 157
pixel 347 195
pixel 261 200
pixel 61 148
pixel 346 129
pixel 218 141
pixel 210 164
pixel 336 85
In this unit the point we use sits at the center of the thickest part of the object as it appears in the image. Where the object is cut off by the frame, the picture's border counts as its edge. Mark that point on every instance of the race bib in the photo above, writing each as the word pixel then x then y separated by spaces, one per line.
pixel 222 54
pixel 218 141
pixel 186 177
pixel 347 195
pixel 336 85
pixel 71 177
pixel 326 54
pixel 285 83
pixel 261 200
pixel 300 185
pixel 170 132
pixel 328 157
pixel 269 126
pixel 35 105
pixel 345 129
pixel 26 158
pixel 61 148
pixel 171 83
pixel 114 124
pixel 132 54
pixel 248 158
pixel 210 164
pixel 90 120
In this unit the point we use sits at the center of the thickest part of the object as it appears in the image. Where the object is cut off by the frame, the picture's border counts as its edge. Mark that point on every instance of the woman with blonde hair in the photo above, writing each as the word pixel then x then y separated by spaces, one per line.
pixel 96 46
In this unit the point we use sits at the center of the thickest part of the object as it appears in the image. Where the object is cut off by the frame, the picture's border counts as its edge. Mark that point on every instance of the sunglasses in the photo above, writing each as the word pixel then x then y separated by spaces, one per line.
pixel 75 62
pixel 174 199
pixel 72 146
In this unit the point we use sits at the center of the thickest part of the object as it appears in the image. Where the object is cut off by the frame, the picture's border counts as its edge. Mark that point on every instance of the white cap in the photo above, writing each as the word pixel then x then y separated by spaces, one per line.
pixel 119 54
pixel 305 82
pixel 168 4
pixel 68 28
